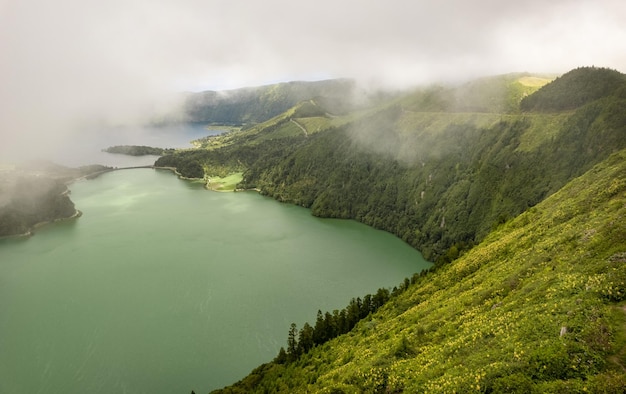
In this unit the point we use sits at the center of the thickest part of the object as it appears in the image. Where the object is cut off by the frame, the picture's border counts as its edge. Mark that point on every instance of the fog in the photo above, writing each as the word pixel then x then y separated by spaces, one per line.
pixel 71 69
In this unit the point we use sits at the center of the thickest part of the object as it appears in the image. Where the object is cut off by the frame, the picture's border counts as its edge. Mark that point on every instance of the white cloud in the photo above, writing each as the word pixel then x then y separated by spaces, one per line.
pixel 66 61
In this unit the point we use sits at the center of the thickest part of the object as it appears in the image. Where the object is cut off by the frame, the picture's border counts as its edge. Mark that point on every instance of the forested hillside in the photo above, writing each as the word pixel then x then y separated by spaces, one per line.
pixel 514 185
pixel 536 307
pixel 36 192
pixel 575 89
pixel 441 181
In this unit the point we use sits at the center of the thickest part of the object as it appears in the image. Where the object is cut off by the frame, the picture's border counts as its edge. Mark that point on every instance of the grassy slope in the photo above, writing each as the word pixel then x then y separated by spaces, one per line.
pixel 431 108
pixel 307 114
pixel 223 184
pixel 536 306
pixel 419 115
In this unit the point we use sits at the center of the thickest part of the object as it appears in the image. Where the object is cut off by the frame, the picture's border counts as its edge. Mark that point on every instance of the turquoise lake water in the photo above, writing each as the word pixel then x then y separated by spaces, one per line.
pixel 164 287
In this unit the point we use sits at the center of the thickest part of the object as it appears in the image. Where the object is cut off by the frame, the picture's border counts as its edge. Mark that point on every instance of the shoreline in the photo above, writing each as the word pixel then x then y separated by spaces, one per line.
pixel 31 230
pixel 77 213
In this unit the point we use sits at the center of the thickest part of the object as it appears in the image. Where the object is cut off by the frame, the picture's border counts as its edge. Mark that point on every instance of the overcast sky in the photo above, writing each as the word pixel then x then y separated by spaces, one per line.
pixel 69 60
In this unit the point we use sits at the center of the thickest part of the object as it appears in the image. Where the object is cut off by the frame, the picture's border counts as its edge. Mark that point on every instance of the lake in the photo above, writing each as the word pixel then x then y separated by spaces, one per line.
pixel 164 287
pixel 86 148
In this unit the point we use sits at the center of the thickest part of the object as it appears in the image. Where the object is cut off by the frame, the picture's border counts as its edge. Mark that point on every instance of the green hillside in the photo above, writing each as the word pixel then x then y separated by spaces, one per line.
pixel 514 185
pixel 538 306
pixel 36 192
pixel 258 104
pixel 575 89
pixel 440 180
pixel 496 94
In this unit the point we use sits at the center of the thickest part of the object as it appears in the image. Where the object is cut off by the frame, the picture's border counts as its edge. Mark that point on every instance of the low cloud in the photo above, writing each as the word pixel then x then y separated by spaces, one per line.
pixel 69 63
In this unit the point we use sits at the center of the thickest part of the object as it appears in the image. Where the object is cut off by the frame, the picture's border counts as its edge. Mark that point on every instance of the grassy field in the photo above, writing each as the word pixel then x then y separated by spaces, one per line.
pixel 535 82
pixel 225 184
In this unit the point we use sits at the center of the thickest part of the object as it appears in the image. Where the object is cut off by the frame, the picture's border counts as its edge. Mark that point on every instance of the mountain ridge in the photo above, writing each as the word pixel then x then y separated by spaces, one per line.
pixel 257 104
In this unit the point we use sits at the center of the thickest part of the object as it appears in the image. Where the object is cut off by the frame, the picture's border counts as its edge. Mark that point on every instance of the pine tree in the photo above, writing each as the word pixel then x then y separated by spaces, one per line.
pixel 305 339
pixel 292 343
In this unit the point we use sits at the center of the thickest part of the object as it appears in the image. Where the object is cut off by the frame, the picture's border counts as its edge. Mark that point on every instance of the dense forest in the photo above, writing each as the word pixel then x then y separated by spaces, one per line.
pixel 138 150
pixel 575 89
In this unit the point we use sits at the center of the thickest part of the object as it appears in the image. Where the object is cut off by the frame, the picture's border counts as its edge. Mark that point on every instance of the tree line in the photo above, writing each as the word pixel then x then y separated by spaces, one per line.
pixel 331 325
pixel 138 150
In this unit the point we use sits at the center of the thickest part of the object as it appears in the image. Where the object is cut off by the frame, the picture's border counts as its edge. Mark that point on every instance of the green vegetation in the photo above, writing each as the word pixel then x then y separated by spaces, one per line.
pixel 31 200
pixel 441 181
pixel 191 169
pixel 499 94
pixel 228 183
pixel 329 326
pixel 514 186
pixel 575 89
pixel 138 150
pixel 255 105
pixel 536 307
pixel 35 193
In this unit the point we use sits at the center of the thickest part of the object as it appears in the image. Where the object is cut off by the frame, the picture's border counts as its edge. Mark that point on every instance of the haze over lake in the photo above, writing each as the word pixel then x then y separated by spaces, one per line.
pixel 86 148
pixel 162 286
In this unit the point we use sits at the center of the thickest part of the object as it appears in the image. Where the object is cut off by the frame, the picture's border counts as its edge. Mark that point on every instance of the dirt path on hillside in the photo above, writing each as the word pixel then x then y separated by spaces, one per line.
pixel 306 134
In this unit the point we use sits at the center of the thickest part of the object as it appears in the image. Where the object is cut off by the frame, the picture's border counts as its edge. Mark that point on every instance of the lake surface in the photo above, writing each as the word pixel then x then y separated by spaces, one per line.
pixel 164 287
pixel 86 148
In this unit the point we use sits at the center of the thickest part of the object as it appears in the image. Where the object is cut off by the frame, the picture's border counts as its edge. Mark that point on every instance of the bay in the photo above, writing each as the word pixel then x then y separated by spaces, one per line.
pixel 164 287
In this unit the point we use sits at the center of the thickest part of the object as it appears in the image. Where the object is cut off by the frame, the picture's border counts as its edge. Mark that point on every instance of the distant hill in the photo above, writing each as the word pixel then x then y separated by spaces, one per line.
pixel 575 89
pixel 258 104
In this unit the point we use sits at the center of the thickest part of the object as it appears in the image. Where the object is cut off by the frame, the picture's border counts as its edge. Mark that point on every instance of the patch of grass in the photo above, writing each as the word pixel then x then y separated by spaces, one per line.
pixel 224 184
pixel 534 82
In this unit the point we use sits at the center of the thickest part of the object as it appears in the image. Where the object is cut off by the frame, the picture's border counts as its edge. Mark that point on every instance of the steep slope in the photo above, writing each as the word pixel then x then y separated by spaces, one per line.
pixel 536 307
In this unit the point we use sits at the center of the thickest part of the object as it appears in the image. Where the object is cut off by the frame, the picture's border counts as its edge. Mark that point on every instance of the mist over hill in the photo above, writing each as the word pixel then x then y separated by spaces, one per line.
pixel 35 193
pixel 258 104
pixel 427 166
